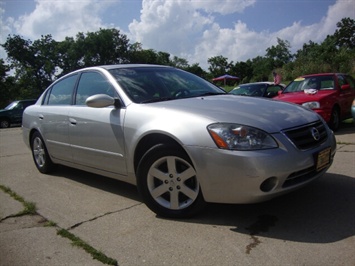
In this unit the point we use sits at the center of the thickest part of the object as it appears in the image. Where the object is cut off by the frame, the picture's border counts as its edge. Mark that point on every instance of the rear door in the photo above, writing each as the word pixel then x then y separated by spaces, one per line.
pixel 53 117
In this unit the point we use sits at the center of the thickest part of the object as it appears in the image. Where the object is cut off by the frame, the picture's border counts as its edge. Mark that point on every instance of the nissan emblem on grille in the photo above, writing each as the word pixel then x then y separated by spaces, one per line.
pixel 315 133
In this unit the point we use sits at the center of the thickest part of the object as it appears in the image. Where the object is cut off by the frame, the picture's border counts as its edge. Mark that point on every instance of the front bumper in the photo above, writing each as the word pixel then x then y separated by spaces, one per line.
pixel 253 176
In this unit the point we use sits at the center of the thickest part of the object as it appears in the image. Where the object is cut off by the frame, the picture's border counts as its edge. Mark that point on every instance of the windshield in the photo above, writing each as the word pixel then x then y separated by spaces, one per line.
pixel 11 106
pixel 309 83
pixel 249 90
pixel 160 84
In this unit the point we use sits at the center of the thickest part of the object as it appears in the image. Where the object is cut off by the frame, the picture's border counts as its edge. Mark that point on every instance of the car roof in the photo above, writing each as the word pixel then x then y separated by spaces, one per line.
pixel 27 100
pixel 108 67
pixel 321 74
pixel 255 83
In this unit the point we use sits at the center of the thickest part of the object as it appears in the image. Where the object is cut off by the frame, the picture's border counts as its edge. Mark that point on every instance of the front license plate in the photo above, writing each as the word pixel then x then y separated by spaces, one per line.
pixel 323 159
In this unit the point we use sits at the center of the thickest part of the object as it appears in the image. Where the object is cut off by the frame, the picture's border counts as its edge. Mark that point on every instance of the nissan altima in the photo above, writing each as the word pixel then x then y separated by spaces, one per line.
pixel 183 141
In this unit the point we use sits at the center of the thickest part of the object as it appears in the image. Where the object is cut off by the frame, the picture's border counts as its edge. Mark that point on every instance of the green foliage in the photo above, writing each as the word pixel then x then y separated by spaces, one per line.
pixel 97 255
pixel 280 54
pixel 29 207
pixel 35 65
pixel 345 34
pixel 218 65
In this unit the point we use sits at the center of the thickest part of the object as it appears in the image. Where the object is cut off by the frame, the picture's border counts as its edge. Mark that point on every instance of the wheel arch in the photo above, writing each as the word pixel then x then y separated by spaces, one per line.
pixel 151 140
pixel 30 135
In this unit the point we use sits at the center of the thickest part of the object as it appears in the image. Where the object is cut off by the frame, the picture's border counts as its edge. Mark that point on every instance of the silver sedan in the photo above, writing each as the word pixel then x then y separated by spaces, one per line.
pixel 180 139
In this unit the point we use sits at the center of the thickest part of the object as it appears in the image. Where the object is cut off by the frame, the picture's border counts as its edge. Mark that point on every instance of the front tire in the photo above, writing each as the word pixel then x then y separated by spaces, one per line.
pixel 168 183
pixel 4 123
pixel 40 154
pixel 334 122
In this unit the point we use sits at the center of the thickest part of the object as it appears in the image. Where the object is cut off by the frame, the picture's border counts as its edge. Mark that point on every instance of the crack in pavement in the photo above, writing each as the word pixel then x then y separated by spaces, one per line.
pixel 102 215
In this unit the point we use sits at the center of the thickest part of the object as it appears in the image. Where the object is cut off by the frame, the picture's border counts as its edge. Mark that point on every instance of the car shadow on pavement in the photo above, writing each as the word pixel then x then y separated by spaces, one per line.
pixel 346 127
pixel 322 212
pixel 101 182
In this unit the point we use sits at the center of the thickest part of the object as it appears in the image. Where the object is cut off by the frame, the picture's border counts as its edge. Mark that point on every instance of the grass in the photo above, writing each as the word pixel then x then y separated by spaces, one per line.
pixel 348 121
pixel 76 241
pixel 50 224
pixel 30 209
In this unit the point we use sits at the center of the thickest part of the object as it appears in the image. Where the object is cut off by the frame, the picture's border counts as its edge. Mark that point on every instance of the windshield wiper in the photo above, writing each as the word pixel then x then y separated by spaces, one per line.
pixel 212 93
pixel 159 99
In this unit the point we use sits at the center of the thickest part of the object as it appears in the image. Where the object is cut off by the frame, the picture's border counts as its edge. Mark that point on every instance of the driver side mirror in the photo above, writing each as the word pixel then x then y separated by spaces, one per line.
pixel 345 87
pixel 102 100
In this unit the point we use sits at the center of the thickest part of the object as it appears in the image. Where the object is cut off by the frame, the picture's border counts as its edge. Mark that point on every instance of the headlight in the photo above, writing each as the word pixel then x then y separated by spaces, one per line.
pixel 240 137
pixel 311 105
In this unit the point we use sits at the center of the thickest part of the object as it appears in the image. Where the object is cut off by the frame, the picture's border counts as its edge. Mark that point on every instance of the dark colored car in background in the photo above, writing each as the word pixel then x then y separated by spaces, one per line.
pixel 329 94
pixel 258 89
pixel 12 114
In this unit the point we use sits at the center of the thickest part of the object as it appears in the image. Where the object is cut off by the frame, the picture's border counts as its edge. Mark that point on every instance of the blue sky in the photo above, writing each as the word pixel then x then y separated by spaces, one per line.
pixel 192 29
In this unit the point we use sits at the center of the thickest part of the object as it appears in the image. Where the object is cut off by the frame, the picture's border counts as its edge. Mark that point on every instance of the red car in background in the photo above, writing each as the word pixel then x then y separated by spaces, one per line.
pixel 329 94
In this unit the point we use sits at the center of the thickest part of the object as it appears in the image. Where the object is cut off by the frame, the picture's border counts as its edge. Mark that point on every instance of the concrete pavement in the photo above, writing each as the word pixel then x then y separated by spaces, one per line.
pixel 314 226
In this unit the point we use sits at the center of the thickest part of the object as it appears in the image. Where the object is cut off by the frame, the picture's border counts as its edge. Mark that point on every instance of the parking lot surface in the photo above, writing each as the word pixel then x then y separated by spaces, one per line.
pixel 312 226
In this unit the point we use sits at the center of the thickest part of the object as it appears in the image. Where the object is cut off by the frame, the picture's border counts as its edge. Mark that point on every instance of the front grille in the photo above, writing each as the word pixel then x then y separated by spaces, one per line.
pixel 304 139
pixel 299 177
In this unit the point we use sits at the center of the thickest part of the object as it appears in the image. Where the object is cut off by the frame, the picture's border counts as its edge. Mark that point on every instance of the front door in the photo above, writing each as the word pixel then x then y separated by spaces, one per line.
pixel 96 134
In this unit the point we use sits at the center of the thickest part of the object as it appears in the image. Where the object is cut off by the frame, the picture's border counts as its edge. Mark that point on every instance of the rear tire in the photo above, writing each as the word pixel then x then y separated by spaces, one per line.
pixel 40 154
pixel 168 183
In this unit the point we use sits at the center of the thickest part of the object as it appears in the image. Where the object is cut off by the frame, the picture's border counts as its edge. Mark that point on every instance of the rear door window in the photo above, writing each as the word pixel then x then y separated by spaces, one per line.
pixel 62 91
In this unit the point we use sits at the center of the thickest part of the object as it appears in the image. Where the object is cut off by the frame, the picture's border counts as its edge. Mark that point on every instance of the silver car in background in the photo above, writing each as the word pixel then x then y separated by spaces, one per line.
pixel 180 139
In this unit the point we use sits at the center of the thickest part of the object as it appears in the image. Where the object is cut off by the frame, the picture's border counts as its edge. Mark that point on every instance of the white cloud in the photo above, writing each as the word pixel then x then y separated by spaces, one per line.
pixel 168 25
pixel 180 27
pixel 237 44
pixel 222 7
pixel 62 18
pixel 297 34
pixel 5 31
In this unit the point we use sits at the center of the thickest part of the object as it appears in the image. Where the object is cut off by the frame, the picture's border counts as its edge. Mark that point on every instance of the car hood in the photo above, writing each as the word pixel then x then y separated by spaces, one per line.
pixel 266 114
pixel 301 97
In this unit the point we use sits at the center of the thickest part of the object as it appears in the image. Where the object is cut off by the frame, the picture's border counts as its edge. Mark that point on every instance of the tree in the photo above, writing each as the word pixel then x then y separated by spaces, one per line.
pixel 104 47
pixel 197 70
pixel 279 54
pixel 218 65
pixel 33 63
pixel 243 70
pixel 345 34
pixel 8 89
pixel 262 68
pixel 179 62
